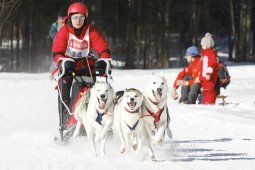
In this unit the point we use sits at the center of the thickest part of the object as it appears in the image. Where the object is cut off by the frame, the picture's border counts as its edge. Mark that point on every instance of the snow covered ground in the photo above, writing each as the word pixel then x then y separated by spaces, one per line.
pixel 204 137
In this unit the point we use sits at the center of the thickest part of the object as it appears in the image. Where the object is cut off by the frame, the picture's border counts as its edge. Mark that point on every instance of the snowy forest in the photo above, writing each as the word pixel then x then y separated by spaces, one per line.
pixel 143 34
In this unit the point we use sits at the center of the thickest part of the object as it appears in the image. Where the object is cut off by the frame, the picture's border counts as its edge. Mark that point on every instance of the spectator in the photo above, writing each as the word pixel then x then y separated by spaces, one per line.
pixel 208 70
pixel 188 78
pixel 55 27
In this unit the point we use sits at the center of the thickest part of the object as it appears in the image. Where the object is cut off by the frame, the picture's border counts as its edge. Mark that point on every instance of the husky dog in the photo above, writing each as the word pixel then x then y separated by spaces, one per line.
pixel 155 111
pixel 129 122
pixel 96 115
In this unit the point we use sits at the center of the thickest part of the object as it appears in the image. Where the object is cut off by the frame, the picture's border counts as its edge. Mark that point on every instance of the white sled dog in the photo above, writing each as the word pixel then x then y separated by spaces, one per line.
pixel 129 122
pixel 95 111
pixel 155 111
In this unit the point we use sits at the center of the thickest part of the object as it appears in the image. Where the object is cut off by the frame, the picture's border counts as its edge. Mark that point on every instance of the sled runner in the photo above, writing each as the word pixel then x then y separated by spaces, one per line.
pixel 64 137
pixel 223 98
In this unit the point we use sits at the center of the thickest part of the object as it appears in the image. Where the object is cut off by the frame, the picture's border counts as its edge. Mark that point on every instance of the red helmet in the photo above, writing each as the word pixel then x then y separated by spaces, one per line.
pixel 78 7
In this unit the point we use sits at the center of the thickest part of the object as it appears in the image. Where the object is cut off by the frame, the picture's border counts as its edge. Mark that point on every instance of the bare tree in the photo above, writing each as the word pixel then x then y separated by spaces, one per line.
pixel 7 9
pixel 240 40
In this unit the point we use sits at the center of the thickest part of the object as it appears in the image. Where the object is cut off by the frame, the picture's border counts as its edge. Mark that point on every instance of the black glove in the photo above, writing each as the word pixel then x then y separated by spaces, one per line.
pixel 69 66
pixel 102 68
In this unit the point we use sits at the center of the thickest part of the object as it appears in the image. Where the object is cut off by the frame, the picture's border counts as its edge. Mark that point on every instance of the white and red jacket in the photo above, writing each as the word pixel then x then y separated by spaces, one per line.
pixel 208 67
pixel 68 44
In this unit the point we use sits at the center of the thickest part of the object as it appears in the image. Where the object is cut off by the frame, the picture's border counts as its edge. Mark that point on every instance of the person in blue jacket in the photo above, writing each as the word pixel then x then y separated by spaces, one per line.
pixel 55 27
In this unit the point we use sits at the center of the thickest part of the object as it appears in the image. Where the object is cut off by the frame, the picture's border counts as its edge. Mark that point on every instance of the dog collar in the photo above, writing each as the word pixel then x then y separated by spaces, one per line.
pixel 155 103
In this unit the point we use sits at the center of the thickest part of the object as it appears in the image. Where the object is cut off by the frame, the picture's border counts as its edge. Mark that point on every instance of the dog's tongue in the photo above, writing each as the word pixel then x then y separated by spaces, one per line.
pixel 158 97
pixel 132 104
pixel 101 104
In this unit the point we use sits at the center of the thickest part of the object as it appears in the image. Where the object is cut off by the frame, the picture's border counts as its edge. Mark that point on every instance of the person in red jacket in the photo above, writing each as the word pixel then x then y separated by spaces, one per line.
pixel 188 78
pixel 208 70
pixel 71 50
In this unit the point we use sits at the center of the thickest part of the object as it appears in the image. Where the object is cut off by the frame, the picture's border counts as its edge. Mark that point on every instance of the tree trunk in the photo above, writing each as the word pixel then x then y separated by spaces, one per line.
pixel 195 21
pixel 25 42
pixel 244 31
pixel 11 50
pixel 1 36
pixel 233 35
pixel 17 46
pixel 129 56
pixel 30 61
pixel 145 50
pixel 248 35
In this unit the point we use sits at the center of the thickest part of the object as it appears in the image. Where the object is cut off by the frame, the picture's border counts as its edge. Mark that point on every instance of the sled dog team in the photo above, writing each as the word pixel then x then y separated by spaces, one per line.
pixel 141 119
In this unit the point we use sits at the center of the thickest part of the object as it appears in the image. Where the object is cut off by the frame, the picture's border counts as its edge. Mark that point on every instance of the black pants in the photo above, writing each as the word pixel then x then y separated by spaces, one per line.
pixel 189 94
pixel 69 92
pixel 65 84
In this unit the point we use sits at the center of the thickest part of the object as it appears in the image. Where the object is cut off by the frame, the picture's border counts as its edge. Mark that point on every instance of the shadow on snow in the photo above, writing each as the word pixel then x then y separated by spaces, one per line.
pixel 198 150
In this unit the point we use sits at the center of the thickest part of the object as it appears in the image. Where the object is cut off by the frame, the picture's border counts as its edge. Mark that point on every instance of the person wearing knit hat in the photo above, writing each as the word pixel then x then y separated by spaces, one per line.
pixel 207 41
pixel 208 70
pixel 188 78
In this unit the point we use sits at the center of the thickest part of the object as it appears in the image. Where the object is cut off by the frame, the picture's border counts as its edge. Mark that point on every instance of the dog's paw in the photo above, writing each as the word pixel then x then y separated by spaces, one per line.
pixel 157 140
pixel 122 149
pixel 151 154
pixel 134 146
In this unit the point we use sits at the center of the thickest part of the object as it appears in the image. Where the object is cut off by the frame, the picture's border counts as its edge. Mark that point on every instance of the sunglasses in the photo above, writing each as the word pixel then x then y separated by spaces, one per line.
pixel 78 17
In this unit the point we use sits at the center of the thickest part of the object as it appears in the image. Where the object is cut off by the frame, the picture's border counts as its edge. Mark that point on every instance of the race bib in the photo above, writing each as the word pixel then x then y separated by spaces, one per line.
pixel 77 48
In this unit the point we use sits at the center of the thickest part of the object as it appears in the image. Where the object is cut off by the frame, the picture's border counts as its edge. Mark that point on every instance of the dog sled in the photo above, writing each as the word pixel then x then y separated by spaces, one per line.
pixel 81 83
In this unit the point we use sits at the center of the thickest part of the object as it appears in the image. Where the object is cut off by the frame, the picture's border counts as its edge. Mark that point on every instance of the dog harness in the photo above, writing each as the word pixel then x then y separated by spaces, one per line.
pixel 156 115
pixel 100 117
pixel 134 126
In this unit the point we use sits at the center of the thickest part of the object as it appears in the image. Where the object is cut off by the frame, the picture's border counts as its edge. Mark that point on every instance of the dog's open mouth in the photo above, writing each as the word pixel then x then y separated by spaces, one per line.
pixel 102 103
pixel 157 94
pixel 131 105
